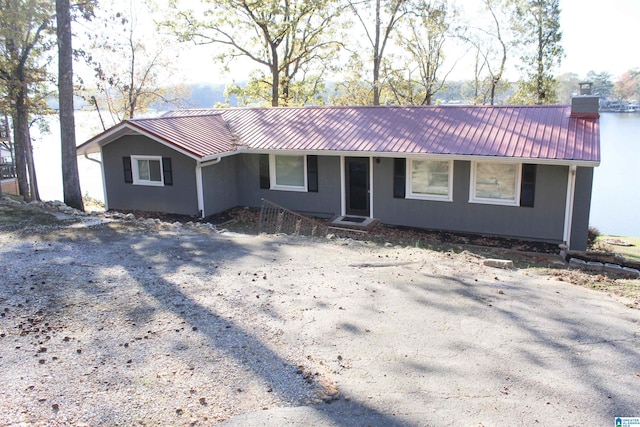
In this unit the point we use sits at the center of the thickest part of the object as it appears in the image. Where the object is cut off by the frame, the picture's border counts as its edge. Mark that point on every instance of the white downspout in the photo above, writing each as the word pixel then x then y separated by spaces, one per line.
pixel 568 211
pixel 86 156
pixel 199 186
pixel 104 181
pixel 343 188
pixel 371 187
pixel 199 190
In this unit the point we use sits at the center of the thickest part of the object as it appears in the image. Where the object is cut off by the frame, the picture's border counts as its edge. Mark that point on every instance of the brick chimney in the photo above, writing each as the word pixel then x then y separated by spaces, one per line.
pixel 585 105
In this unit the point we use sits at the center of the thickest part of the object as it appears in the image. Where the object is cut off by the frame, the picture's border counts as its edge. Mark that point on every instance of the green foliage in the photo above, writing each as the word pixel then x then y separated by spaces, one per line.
pixel 568 85
pixel 537 25
pixel 627 88
pixel 491 55
pixel 602 84
pixel 26 35
pixel 288 39
pixel 354 90
pixel 379 20
pixel 256 92
pixel 592 236
pixel 428 29
pixel 132 69
pixel 25 38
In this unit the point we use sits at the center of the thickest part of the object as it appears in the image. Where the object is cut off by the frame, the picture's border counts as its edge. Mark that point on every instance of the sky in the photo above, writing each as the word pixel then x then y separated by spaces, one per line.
pixel 599 35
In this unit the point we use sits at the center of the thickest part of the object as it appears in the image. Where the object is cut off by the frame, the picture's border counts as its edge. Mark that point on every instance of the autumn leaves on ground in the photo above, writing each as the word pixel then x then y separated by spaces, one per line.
pixel 109 321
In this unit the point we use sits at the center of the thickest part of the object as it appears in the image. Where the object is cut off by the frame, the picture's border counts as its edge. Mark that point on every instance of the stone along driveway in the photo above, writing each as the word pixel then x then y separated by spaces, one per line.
pixel 176 325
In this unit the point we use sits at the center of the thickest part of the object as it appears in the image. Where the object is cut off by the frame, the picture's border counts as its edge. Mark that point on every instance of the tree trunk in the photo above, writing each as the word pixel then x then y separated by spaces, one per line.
pixel 31 168
pixel 70 179
pixel 20 136
pixel 377 58
pixel 540 92
pixel 275 78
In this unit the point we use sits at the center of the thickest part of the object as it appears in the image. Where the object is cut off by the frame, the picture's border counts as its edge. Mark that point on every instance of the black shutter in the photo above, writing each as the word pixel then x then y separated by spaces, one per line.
pixel 312 174
pixel 528 186
pixel 128 173
pixel 264 171
pixel 166 171
pixel 399 178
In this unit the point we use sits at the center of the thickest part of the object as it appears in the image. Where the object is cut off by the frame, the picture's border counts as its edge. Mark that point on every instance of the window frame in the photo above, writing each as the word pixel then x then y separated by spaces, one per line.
pixel 493 201
pixel 410 194
pixel 135 171
pixel 273 174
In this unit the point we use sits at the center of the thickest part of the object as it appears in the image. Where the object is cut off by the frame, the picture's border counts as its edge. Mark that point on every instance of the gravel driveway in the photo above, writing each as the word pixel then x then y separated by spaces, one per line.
pixel 125 323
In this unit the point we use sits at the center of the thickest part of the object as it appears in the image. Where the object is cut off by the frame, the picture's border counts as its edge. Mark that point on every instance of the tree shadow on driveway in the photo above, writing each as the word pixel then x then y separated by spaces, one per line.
pixel 568 350
pixel 113 256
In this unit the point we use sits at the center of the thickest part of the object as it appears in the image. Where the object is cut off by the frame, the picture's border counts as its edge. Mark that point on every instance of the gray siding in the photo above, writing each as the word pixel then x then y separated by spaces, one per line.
pixel 220 186
pixel 235 181
pixel 581 207
pixel 324 203
pixel 545 221
pixel 179 198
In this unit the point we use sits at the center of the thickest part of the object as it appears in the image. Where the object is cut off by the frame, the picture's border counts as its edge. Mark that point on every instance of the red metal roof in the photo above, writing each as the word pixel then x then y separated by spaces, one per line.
pixel 528 132
pixel 200 135
pixel 537 132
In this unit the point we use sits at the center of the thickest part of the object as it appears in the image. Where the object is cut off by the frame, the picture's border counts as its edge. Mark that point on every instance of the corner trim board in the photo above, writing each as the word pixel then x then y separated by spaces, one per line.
pixel 343 188
pixel 371 187
pixel 104 183
pixel 199 190
pixel 568 211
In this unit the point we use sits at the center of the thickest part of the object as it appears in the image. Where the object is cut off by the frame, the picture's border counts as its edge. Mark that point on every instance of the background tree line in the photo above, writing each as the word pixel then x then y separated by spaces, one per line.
pixel 340 52
pixel 385 51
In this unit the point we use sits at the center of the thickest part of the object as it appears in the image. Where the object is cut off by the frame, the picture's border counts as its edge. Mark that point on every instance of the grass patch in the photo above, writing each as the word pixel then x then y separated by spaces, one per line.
pixel 630 253
pixel 16 217
pixel 13 197
pixel 629 289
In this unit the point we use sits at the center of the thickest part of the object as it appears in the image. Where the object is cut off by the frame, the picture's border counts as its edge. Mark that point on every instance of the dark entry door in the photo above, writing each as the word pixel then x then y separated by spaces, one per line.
pixel 357 185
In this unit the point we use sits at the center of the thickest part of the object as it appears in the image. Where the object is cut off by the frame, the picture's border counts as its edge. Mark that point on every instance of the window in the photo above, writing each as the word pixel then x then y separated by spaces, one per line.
pixel 495 183
pixel 430 179
pixel 288 172
pixel 147 170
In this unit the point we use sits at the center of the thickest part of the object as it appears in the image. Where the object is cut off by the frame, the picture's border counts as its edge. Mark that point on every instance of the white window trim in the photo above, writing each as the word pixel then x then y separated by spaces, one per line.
pixel 409 184
pixel 136 172
pixel 490 201
pixel 272 174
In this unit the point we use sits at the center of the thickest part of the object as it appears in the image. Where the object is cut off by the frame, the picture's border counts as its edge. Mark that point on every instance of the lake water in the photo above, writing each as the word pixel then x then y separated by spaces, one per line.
pixel 47 158
pixel 615 204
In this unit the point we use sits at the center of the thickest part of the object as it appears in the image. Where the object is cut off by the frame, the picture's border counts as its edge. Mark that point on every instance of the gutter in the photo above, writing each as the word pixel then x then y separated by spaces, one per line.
pixel 210 162
pixel 463 157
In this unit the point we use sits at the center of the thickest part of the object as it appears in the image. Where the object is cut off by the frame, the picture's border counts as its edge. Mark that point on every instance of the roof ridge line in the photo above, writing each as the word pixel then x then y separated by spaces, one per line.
pixel 222 111
pixel 341 107
pixel 173 117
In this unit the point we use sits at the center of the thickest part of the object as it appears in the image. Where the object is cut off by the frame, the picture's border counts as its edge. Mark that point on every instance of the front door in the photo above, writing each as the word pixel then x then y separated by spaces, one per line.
pixel 357 186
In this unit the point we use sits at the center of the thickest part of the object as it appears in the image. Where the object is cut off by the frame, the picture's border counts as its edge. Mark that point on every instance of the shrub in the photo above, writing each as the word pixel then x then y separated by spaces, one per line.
pixel 592 236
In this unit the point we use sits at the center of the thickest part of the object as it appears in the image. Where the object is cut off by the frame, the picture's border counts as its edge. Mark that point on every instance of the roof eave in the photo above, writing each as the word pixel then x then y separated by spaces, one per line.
pixel 164 141
pixel 449 156
pixel 95 144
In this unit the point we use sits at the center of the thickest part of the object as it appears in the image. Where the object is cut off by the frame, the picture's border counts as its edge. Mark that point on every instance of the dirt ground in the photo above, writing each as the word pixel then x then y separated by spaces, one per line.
pixel 113 321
